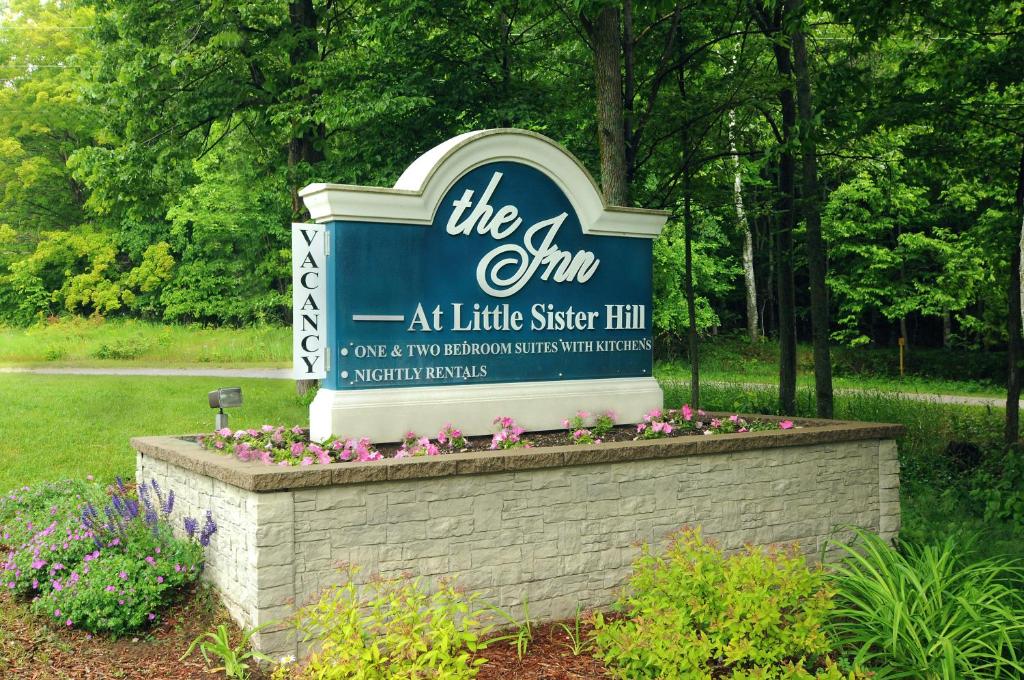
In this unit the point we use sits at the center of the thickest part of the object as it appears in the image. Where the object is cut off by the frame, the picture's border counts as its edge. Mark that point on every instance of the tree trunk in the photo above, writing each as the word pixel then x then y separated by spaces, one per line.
pixel 750 283
pixel 691 305
pixel 607 46
pixel 1011 429
pixel 947 330
pixel 628 94
pixel 305 147
pixel 784 239
pixel 817 261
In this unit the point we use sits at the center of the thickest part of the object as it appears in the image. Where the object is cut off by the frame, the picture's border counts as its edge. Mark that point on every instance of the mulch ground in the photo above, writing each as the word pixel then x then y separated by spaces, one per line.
pixel 548 657
pixel 34 649
pixel 31 649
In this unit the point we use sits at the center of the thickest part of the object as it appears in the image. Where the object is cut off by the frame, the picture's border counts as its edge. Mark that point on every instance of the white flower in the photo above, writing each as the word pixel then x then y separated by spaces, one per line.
pixel 285 660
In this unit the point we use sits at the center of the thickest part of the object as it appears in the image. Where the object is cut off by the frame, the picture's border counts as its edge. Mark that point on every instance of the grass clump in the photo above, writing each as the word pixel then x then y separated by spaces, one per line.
pixel 928 612
pixel 693 612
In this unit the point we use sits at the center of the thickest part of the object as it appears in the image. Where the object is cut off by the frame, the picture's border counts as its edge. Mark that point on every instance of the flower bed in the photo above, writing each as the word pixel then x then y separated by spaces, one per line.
pixel 291 446
pixel 104 561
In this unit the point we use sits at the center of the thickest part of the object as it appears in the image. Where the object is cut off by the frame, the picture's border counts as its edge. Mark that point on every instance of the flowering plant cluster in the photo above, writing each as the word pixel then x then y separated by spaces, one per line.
pixel 581 433
pixel 508 436
pixel 449 440
pixel 735 423
pixel 658 423
pixel 290 446
pixel 287 446
pixel 104 570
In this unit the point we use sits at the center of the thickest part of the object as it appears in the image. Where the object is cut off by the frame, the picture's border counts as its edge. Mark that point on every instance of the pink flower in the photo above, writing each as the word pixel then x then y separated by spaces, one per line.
pixel 306 461
pixel 123 575
pixel 687 412
pixel 159 579
pixel 785 424
pixel 224 432
pixel 298 448
pixel 68 623
pixel 734 418
pixel 152 616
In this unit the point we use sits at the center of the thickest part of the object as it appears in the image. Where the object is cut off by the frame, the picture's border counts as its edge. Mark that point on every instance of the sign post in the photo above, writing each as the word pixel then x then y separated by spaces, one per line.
pixel 492 280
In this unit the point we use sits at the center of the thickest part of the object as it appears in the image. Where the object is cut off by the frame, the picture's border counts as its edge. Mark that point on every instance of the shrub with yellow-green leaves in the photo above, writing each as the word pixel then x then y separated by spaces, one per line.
pixel 692 612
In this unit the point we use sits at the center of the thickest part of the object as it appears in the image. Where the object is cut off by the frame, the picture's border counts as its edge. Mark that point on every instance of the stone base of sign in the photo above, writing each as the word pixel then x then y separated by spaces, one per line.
pixel 556 527
pixel 385 415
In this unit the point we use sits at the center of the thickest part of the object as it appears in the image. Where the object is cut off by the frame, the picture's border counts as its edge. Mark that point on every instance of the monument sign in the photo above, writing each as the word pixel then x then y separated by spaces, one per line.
pixel 491 280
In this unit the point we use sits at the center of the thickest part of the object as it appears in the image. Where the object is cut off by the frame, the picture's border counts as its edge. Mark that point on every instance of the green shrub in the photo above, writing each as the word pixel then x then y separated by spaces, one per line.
pixel 692 612
pixel 121 348
pixel 1001 491
pixel 396 631
pixel 928 613
pixel 108 570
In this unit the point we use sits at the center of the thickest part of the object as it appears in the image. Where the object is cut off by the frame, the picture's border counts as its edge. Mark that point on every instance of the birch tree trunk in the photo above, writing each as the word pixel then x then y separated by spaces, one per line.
pixel 749 281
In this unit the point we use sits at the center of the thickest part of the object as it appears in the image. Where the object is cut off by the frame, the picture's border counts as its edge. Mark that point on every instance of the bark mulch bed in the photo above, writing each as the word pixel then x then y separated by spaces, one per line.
pixel 31 649
pixel 548 657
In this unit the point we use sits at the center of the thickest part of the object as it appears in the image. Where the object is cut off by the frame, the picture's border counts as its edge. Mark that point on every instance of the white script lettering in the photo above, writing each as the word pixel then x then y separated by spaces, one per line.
pixel 507 268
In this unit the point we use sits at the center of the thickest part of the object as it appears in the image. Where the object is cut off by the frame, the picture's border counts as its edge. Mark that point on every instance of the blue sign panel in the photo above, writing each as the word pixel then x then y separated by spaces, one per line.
pixel 502 286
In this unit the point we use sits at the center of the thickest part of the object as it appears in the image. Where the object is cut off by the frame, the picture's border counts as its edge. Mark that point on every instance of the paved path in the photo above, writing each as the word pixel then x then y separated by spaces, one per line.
pixel 278 373
pixel 286 374
pixel 913 396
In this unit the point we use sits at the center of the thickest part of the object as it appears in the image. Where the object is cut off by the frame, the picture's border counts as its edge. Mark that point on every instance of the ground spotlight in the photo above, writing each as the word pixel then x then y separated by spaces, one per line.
pixel 225 397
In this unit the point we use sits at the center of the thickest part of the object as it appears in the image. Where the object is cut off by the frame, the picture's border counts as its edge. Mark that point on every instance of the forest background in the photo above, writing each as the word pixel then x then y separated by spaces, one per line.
pixel 845 172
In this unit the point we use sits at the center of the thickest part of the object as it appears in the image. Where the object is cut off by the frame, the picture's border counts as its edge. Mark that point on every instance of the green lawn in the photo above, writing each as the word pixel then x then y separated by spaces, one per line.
pixel 88 343
pixel 54 427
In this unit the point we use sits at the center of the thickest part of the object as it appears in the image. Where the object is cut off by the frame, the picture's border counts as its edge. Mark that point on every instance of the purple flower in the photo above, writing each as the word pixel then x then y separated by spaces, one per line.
pixel 190 526
pixel 209 528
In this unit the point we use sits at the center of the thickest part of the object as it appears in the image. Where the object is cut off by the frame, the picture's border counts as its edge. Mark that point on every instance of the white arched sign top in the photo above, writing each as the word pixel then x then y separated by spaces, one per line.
pixel 418 192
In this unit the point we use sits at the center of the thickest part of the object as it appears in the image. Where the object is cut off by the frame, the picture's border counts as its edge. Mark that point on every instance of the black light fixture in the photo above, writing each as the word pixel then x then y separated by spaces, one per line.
pixel 225 397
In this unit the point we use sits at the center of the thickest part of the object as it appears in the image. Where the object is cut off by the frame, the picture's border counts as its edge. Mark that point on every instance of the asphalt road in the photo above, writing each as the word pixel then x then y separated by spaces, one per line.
pixel 286 373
